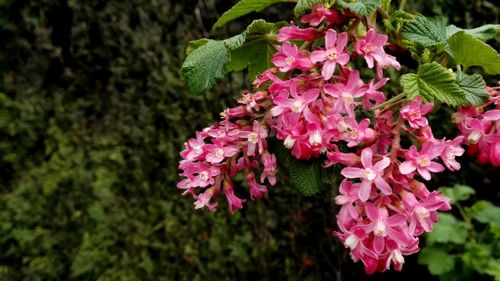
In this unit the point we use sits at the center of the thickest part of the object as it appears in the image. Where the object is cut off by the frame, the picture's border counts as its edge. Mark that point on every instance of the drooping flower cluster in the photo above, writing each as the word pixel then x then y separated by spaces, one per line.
pixel 480 128
pixel 319 106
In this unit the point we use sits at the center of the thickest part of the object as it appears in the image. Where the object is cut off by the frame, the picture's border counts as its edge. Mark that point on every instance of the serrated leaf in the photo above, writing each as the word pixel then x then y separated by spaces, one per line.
pixel 205 65
pixel 474 88
pixel 477 256
pixel 493 269
pixel 257 52
pixel 361 7
pixel 242 8
pixel 306 176
pixel 433 81
pixel 235 42
pixel 193 45
pixel 305 5
pixel 425 31
pixel 437 260
pixel 486 212
pixel 458 192
pixel 470 51
pixel 483 33
pixel 448 230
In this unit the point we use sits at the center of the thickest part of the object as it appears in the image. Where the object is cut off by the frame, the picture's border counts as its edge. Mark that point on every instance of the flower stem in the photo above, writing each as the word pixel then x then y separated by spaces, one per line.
pixel 390 102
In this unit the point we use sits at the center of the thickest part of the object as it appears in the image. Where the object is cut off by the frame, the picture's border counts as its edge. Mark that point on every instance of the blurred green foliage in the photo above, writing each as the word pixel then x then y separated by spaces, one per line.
pixel 92 115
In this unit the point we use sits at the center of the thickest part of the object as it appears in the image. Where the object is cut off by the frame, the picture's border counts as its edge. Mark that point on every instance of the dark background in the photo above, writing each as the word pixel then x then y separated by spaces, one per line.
pixel 93 113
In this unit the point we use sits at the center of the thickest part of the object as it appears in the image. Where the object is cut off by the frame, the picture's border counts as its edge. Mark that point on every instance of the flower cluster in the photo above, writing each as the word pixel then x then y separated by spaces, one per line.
pixel 480 128
pixel 319 106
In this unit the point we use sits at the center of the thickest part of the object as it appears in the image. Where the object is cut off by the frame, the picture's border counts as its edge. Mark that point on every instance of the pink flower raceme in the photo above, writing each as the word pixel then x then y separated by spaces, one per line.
pixel 318 105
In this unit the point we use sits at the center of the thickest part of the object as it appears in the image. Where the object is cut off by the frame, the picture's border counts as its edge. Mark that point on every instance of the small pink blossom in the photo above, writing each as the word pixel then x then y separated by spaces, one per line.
pixel 452 149
pixel 333 54
pixel 422 161
pixel 269 172
pixel 318 14
pixel 289 57
pixel 414 113
pixel 294 32
pixel 203 200
pixel 233 201
pixel 370 173
pixel 218 151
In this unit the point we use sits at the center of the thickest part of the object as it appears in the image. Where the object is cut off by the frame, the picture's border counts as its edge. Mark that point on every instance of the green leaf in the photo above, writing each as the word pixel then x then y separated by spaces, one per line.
pixel 477 256
pixel 474 88
pixel 483 33
pixel 193 45
pixel 495 230
pixel 458 192
pixel 257 52
pixel 433 81
pixel 306 176
pixel 493 268
pixel 486 212
pixel 304 6
pixel 235 42
pixel 448 230
pixel 437 260
pixel 427 32
pixel 244 7
pixel 205 65
pixel 470 51
pixel 361 7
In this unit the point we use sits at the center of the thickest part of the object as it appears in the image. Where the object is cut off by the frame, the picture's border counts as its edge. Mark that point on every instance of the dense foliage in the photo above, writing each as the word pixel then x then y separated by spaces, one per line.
pixel 92 114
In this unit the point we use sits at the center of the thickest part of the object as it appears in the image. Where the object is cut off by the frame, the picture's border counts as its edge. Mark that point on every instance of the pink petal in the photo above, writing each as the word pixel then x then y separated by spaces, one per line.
pixel 382 164
pixel 318 56
pixel 366 157
pixel 492 115
pixel 381 184
pixel 371 211
pixel 379 244
pixel 435 167
pixel 230 151
pixel 328 69
pixel 330 39
pixel 396 220
pixel 352 173
pixel 365 189
pixel 341 41
pixel 407 167
pixel 424 173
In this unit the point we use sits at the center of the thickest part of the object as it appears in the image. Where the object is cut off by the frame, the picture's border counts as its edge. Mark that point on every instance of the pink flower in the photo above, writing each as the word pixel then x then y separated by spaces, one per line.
pixel 354 133
pixel 333 54
pixel 269 172
pixel 452 149
pixel 289 57
pixel 422 161
pixel 348 195
pixel 384 227
pixel 203 200
pixel 318 14
pixel 295 33
pixel 369 174
pixel 414 113
pixel 347 93
pixel 257 191
pixel 218 151
pixel 372 46
pixel 297 103
pixel 255 138
pixel 233 201
pixel 422 214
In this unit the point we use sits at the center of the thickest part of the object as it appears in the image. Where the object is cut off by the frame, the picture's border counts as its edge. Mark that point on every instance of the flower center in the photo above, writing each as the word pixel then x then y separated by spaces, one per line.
pixel 296 105
pixel 368 48
pixel 474 137
pixel 289 142
pixel 351 242
pixel 204 176
pixel 331 54
pixel 315 138
pixel 290 60
pixel 423 161
pixel 198 150
pixel 354 134
pixel 347 98
pixel 219 152
pixel 422 212
pixel 414 114
pixel 253 138
pixel 379 229
pixel 370 174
